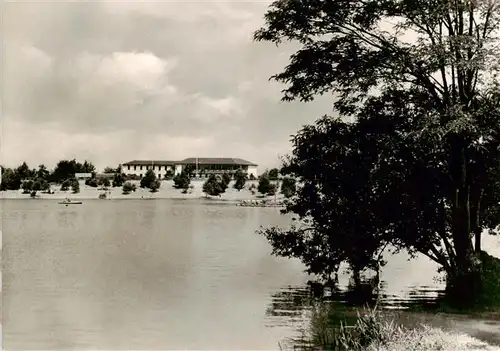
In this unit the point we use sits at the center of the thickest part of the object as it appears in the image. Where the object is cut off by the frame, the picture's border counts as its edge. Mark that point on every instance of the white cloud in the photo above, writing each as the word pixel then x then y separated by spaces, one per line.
pixel 143 79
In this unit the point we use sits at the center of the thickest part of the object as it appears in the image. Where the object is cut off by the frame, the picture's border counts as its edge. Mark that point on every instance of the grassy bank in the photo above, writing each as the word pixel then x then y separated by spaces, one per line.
pixel 374 330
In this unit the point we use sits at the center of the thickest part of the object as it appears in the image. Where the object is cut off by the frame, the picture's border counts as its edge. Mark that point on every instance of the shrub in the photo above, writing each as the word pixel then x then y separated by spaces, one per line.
pixel 66 185
pixel 128 187
pixel 118 180
pixel 104 182
pixel 92 182
pixel 154 186
pixel 213 186
pixel 27 186
pixel 75 186
pixel 265 187
pixel 240 178
pixel 182 181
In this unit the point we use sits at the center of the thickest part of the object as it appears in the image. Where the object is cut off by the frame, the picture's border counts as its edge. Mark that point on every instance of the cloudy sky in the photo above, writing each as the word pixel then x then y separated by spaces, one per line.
pixel 116 81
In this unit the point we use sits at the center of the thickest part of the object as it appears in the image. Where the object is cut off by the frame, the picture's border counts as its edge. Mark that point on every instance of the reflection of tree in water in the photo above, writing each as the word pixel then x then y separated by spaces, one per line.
pixel 293 306
pixel 421 298
pixel 290 304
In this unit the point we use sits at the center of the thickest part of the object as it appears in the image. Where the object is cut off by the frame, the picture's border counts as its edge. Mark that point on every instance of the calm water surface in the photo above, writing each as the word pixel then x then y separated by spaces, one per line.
pixel 158 275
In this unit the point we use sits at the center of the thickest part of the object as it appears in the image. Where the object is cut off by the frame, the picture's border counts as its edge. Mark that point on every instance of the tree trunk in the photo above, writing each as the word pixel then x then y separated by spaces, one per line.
pixel 461 227
pixel 462 287
pixel 477 237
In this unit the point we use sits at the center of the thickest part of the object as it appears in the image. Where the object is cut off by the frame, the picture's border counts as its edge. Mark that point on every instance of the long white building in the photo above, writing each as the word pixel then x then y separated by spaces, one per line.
pixel 202 166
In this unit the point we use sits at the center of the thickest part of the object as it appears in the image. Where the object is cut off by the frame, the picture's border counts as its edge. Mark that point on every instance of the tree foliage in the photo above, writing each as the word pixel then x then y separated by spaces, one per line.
pixel 417 165
pixel 273 174
pixel 27 186
pixel 66 169
pixel 11 180
pixel 71 183
pixel 225 179
pixel 150 181
pixel 214 186
pixel 183 180
pixel 239 180
pixel 265 186
pixel 128 187
pixel 92 182
pixel 42 172
pixel 24 171
pixel 288 187
pixel 104 182
pixel 75 186
pixel 118 179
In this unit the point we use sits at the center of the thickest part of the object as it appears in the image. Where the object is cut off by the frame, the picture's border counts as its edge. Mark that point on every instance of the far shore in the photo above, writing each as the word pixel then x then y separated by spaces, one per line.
pixel 166 191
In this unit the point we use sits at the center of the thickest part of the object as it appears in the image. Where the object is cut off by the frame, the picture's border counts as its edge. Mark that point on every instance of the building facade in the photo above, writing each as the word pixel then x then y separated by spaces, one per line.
pixel 202 167
pixel 162 169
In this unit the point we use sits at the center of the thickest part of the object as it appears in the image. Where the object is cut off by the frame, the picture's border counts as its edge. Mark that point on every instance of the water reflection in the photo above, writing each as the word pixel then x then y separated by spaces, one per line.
pixel 288 305
pixel 294 305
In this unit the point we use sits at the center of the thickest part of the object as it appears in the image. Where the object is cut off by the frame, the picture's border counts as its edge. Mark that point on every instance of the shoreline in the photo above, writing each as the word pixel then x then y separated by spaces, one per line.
pixel 243 198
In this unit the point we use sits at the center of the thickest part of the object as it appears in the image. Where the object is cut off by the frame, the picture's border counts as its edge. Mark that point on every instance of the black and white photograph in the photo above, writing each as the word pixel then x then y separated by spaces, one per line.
pixel 311 175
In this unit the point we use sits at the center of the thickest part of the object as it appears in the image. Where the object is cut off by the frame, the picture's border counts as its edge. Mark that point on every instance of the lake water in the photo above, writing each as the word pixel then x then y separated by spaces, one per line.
pixel 158 275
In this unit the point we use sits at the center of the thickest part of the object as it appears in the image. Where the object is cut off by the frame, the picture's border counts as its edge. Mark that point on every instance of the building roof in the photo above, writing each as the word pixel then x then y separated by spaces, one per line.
pixel 192 160
pixel 217 161
pixel 148 163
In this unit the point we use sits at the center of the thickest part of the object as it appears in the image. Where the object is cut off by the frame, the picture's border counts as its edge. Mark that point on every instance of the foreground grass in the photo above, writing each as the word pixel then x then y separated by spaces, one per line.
pixel 372 330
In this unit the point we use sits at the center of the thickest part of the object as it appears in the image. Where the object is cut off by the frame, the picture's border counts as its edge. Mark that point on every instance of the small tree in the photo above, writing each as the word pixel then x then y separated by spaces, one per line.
pixel 183 180
pixel 128 187
pixel 240 178
pixel 226 179
pixel 169 174
pixel 251 177
pixel 93 182
pixel 148 179
pixel 41 185
pixel 118 180
pixel 213 186
pixel 104 181
pixel 154 186
pixel 288 187
pixel 27 186
pixel 273 188
pixel 273 174
pixel 37 185
pixel 265 187
pixel 75 186
pixel 66 185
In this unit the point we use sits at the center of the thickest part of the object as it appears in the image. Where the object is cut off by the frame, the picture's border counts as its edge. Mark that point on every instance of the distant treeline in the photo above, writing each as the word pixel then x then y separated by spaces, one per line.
pixel 12 178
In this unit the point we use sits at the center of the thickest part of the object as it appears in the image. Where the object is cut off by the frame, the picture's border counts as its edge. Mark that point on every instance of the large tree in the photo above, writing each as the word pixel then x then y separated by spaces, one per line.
pixel 10 180
pixel 24 171
pixel 42 172
pixel 419 82
pixel 66 169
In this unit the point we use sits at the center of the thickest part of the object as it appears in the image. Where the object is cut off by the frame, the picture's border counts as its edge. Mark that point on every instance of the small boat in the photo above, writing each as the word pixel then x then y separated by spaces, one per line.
pixel 70 202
